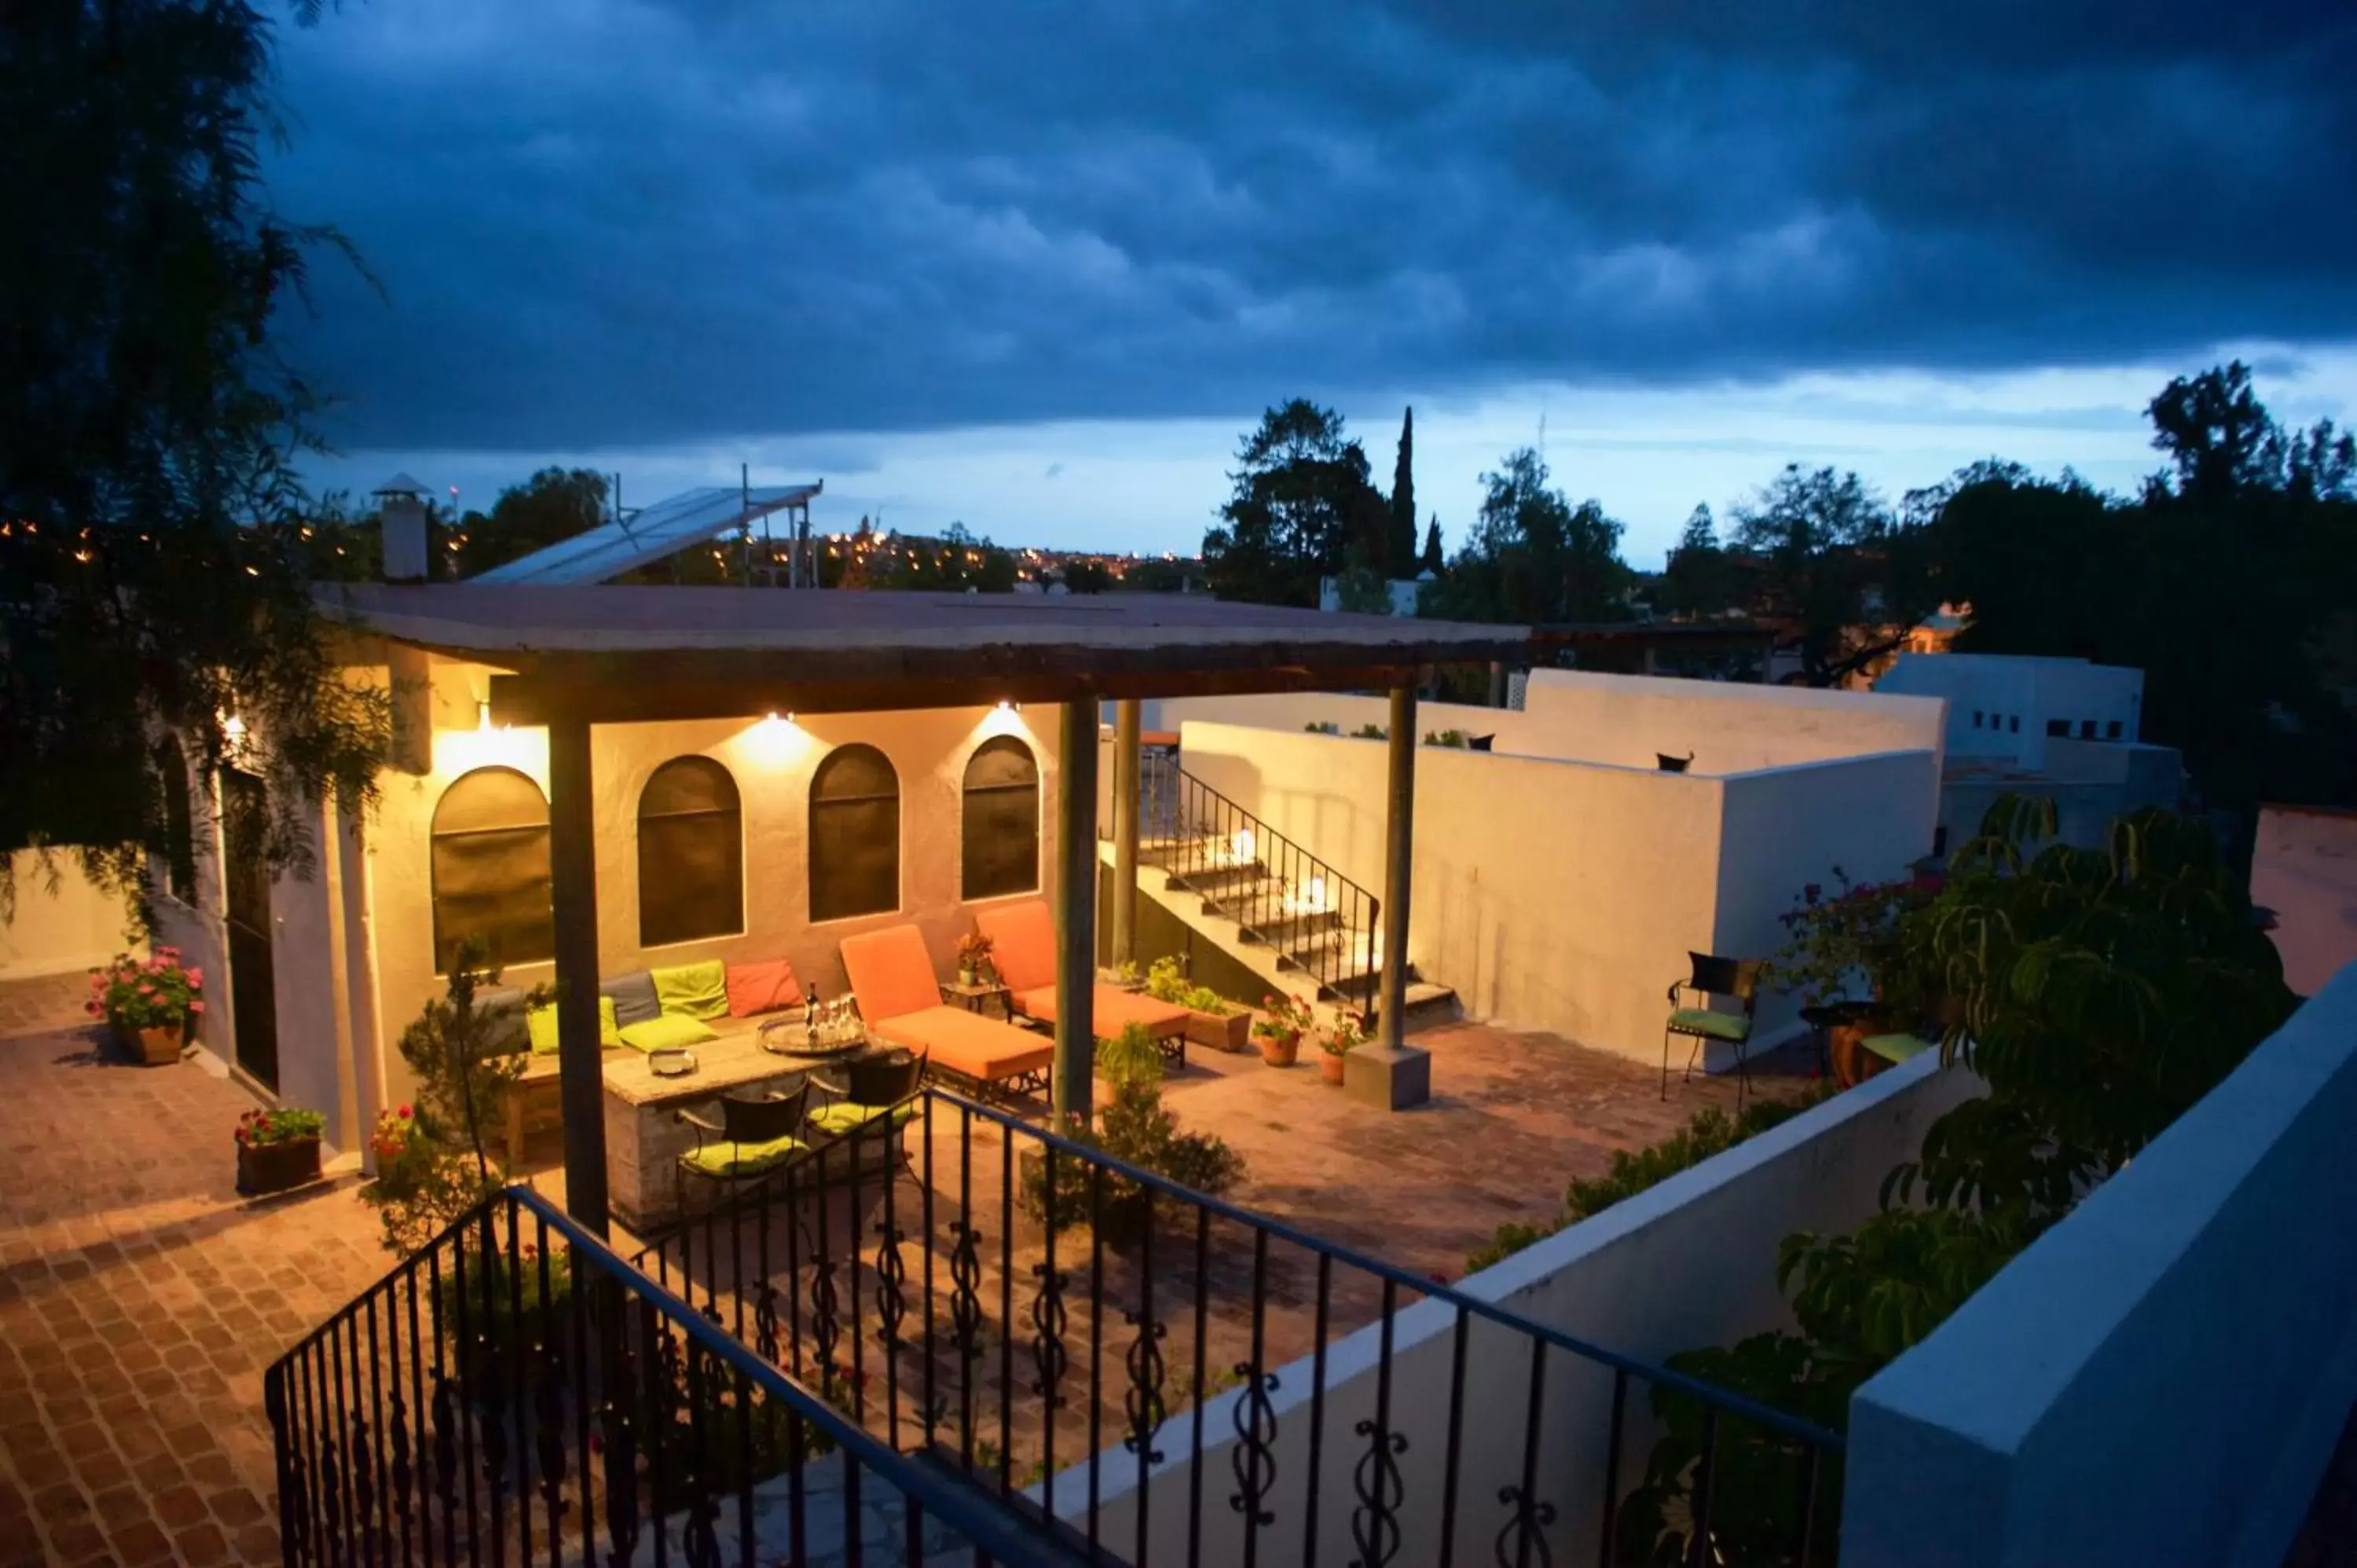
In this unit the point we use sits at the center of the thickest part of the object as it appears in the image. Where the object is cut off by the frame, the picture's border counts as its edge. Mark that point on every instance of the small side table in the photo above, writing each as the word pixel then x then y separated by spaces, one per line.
pixel 976 998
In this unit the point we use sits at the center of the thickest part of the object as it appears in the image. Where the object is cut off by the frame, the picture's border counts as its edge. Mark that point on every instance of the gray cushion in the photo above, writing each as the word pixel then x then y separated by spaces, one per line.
pixel 500 1007
pixel 634 997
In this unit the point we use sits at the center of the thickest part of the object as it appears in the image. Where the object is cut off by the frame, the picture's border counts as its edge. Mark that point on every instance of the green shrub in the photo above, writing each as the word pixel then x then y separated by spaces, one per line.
pixel 1710 1131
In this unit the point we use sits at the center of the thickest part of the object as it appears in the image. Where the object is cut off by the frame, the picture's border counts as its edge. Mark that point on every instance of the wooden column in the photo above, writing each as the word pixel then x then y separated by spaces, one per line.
pixel 1399 859
pixel 1076 912
pixel 1126 747
pixel 573 890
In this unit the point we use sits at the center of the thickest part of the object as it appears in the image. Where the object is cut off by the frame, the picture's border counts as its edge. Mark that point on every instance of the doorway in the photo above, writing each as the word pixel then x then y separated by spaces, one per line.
pixel 245 885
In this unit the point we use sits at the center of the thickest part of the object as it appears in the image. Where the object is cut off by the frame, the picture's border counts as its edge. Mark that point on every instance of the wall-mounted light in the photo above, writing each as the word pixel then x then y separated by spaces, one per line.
pixel 234 728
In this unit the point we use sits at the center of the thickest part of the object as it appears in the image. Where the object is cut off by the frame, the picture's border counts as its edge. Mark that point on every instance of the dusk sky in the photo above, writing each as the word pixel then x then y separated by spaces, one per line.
pixel 1036 268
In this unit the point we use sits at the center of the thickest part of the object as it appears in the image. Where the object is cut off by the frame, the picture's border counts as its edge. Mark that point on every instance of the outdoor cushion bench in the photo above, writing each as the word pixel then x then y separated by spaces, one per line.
pixel 1023 945
pixel 893 979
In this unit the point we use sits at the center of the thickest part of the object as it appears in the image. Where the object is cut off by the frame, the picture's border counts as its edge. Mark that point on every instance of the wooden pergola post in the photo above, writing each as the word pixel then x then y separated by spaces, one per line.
pixel 572 893
pixel 1076 905
pixel 1399 860
pixel 1126 750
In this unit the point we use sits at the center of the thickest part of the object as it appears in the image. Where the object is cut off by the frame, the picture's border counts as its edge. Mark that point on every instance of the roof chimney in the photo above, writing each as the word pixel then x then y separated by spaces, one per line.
pixel 401 515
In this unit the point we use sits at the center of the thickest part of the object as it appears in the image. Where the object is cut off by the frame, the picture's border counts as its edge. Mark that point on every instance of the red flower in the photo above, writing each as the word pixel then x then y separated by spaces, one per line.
pixel 93 1008
pixel 405 1113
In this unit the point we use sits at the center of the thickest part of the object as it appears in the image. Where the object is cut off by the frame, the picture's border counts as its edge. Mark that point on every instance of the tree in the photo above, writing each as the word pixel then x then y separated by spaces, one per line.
pixel 1433 560
pixel 1533 558
pixel 1302 509
pixel 153 570
pixel 1699 578
pixel 1399 556
pixel 1087 578
pixel 551 506
pixel 1830 562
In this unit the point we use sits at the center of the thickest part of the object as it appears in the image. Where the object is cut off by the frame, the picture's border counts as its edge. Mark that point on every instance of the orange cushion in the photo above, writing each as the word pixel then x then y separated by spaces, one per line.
pixel 1022 943
pixel 967 1043
pixel 762 988
pixel 891 973
pixel 1115 1011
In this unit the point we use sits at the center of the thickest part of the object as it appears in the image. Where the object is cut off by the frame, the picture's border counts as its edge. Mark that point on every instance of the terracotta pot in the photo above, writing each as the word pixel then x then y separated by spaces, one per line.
pixel 1330 1067
pixel 1281 1051
pixel 158 1047
pixel 275 1167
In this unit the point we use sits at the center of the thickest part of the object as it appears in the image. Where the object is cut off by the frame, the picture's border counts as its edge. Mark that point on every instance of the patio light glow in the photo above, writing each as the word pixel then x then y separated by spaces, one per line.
pixel 1317 895
pixel 1242 844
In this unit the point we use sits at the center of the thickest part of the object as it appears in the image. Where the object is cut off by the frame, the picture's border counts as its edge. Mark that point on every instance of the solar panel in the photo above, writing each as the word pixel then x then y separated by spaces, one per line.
pixel 649 534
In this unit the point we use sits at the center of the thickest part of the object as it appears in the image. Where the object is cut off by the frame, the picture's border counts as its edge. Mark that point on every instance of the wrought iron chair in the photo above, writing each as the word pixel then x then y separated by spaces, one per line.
pixel 1738 978
pixel 752 1138
pixel 872 1099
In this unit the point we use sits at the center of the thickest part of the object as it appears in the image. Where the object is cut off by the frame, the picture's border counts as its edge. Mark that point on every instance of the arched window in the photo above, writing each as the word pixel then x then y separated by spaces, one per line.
pixel 855 835
pixel 691 854
pixel 1002 819
pixel 491 869
pixel 178 850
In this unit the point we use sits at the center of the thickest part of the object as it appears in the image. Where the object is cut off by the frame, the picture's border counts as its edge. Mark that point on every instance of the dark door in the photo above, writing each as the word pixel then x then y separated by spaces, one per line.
pixel 245 878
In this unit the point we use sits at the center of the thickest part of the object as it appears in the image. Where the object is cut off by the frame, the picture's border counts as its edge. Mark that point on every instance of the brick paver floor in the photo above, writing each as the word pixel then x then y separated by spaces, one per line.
pixel 140 1300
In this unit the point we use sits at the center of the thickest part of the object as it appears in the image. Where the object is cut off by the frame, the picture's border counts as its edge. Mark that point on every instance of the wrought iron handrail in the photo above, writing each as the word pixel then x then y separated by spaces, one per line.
pixel 906 1305
pixel 557 1389
pixel 1201 833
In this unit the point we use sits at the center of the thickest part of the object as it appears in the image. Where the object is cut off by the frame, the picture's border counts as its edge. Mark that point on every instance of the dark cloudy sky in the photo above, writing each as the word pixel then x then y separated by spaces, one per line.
pixel 1034 265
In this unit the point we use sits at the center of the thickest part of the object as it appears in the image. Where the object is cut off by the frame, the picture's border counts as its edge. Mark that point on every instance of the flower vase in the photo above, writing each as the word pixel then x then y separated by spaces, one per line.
pixel 1331 1067
pixel 1279 1050
pixel 275 1167
pixel 159 1046
pixel 966 977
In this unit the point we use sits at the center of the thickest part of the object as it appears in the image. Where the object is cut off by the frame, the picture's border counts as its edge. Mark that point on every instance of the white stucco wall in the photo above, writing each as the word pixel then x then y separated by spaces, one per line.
pixel 2001 687
pixel 1565 895
pixel 2304 867
pixel 1730 728
pixel 2159 1379
pixel 1687 1263
pixel 771 764
pixel 59 930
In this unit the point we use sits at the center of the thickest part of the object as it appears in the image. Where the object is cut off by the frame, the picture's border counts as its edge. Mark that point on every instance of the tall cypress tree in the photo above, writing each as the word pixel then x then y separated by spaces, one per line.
pixel 1432 558
pixel 1403 534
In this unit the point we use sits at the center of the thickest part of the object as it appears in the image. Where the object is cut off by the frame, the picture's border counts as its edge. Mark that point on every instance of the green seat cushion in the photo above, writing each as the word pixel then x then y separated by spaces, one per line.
pixel 1895 1048
pixel 725 1159
pixel 669 1029
pixel 541 1021
pixel 1705 1021
pixel 698 989
pixel 843 1116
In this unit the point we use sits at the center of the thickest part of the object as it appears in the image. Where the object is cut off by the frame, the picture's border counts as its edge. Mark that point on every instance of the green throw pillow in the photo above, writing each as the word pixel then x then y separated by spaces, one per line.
pixel 542 1022
pixel 698 989
pixel 842 1118
pixel 661 1034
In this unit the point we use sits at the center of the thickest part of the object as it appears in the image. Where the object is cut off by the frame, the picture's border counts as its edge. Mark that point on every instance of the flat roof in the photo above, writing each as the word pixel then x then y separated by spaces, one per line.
pixel 616 654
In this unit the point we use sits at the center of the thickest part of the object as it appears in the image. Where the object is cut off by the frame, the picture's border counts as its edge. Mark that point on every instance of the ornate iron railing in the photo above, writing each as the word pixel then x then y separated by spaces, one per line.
pixel 1315 917
pixel 1173 1378
pixel 515 1388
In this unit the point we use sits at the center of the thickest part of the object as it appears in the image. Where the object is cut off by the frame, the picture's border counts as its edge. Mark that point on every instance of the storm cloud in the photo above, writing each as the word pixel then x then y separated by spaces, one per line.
pixel 600 223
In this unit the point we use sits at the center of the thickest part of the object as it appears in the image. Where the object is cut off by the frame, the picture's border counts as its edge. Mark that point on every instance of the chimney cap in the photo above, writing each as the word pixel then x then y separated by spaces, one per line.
pixel 399 485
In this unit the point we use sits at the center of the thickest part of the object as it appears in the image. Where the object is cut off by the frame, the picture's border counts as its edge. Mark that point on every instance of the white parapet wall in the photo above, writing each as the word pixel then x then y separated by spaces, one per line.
pixel 1565 895
pixel 1687 1263
pixel 62 925
pixel 1726 726
pixel 2159 1379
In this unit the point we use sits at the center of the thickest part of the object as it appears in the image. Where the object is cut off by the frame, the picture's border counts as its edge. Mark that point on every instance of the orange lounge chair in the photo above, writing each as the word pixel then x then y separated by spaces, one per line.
pixel 900 1001
pixel 1023 945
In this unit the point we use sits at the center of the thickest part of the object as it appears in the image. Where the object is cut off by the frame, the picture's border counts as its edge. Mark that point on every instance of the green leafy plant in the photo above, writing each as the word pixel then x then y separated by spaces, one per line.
pixel 1853 946
pixel 1137 1129
pixel 1326 728
pixel 1133 1053
pixel 432 1166
pixel 159 993
pixel 1166 982
pixel 1447 737
pixel 1371 731
pixel 281 1125
pixel 1284 1019
pixel 2099 993
pixel 1344 1034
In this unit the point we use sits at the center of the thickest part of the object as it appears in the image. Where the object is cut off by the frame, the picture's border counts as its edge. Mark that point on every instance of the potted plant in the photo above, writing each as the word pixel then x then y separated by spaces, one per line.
pixel 1342 1037
pixel 277 1148
pixel 1284 1020
pixel 1849 957
pixel 975 965
pixel 1212 1020
pixel 151 1006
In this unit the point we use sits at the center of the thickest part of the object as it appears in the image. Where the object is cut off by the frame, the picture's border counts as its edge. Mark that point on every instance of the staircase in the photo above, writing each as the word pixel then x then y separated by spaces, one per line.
pixel 1283 912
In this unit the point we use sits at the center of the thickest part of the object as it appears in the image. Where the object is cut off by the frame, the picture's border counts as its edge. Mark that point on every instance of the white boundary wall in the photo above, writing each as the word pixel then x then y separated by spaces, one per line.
pixel 56 930
pixel 1565 896
pixel 1687 1263
pixel 2160 1379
